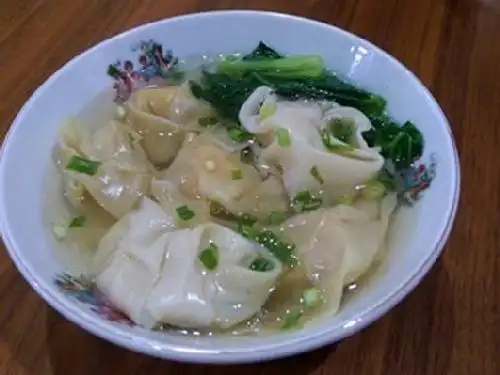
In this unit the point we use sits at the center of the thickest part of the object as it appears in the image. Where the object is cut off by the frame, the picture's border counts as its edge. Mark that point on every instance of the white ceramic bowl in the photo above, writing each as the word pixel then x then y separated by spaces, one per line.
pixel 414 242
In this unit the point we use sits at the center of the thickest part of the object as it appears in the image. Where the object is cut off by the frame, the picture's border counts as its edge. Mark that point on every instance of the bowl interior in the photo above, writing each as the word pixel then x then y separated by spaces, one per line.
pixel 29 180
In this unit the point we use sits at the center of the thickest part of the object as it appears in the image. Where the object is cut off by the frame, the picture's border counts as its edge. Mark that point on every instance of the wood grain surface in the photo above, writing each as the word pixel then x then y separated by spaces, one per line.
pixel 450 325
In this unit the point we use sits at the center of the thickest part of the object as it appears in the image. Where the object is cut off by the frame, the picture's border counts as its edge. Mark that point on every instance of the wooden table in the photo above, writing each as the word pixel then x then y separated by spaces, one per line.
pixel 450 325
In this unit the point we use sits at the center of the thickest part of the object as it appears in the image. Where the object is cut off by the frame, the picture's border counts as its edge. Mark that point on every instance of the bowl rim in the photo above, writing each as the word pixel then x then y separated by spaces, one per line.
pixel 284 348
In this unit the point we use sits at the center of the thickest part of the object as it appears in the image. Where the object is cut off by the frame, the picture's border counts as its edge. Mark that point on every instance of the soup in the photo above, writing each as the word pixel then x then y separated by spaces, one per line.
pixel 244 196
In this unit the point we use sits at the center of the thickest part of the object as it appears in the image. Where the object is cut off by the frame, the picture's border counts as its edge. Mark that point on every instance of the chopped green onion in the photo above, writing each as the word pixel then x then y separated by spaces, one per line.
pixel 207 121
pixel 283 251
pixel 316 175
pixel 312 297
pixel 82 165
pixel 291 319
pixel 373 189
pixel 275 218
pixel 237 174
pixel 184 213
pixel 343 129
pixel 238 135
pixel 267 110
pixel 246 155
pixel 332 144
pixel 262 264
pixel 77 222
pixel 210 257
pixel 283 137
pixel 304 201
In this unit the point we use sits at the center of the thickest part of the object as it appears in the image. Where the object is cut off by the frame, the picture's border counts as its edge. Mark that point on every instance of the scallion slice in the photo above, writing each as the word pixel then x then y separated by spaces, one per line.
pixel 210 257
pixel 77 222
pixel 283 137
pixel 184 213
pixel 82 165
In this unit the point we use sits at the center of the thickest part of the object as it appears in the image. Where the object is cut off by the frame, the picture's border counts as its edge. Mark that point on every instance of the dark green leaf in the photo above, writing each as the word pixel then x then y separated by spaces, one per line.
pixel 262 51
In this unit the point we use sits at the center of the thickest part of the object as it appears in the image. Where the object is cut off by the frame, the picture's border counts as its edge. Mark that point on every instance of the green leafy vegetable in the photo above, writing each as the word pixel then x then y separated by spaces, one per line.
pixel 298 66
pixel 291 319
pixel 316 175
pixel 82 165
pixel 304 201
pixel 184 213
pixel 77 222
pixel 262 52
pixel 262 264
pixel 210 257
pixel 401 144
pixel 281 250
pixel 283 137
pixel 236 174
pixel 304 77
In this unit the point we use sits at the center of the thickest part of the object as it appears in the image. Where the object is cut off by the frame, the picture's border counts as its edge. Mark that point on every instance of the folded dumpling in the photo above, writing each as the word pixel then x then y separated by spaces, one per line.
pixel 298 138
pixel 337 245
pixel 129 258
pixel 160 116
pixel 171 200
pixel 189 294
pixel 197 277
pixel 122 174
pixel 206 169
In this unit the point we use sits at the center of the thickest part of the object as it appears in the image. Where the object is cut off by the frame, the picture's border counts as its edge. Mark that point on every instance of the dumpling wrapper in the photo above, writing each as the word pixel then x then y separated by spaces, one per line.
pixel 121 179
pixel 153 272
pixel 303 121
pixel 160 116
pixel 338 245
pixel 204 169
pixel 170 199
